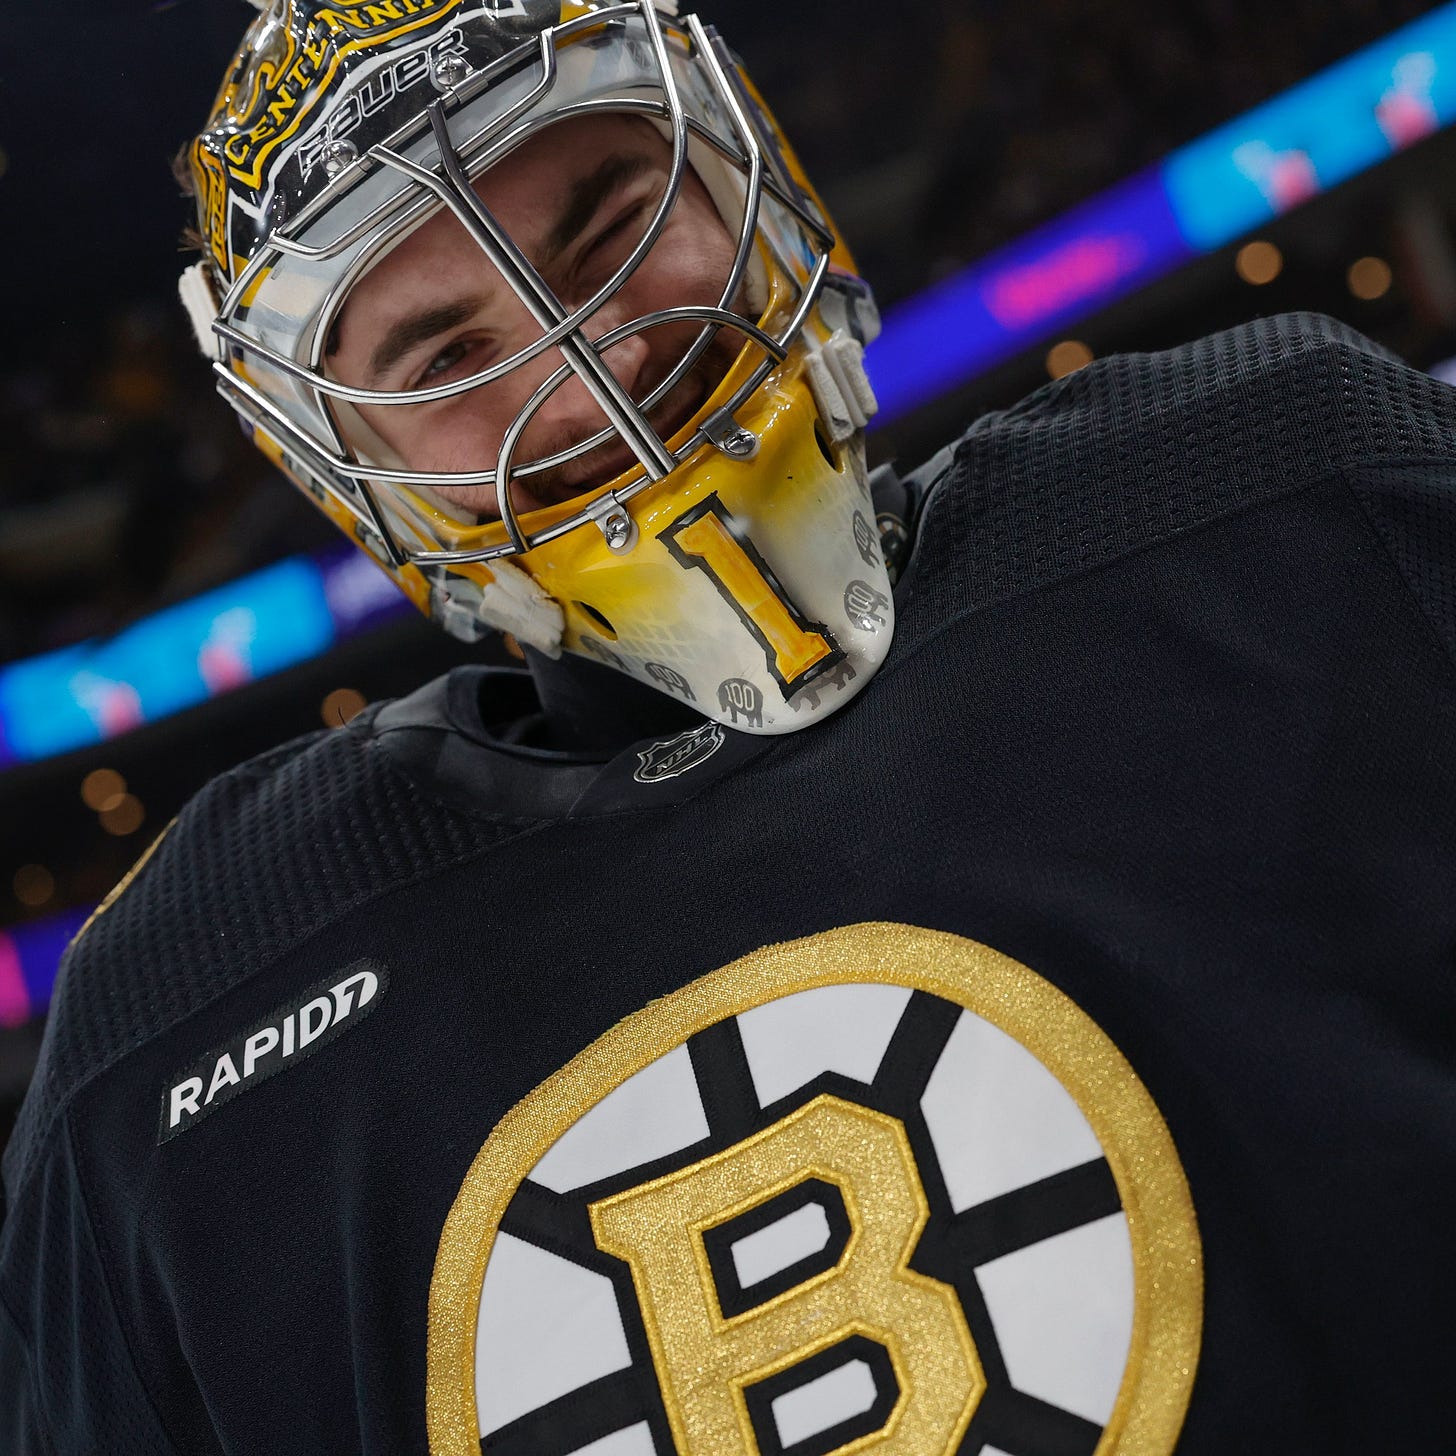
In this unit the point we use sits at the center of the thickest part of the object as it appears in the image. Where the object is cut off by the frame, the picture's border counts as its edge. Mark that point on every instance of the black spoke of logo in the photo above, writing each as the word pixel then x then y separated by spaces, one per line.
pixel 724 1083
pixel 1022 1425
pixel 1018 1219
pixel 914 1050
pixel 557 1222
pixel 573 1420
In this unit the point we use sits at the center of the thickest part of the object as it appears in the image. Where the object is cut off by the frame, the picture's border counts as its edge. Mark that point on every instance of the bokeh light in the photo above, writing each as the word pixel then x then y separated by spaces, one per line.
pixel 1259 262
pixel 341 705
pixel 1067 357
pixel 1369 278
pixel 102 789
pixel 124 817
pixel 34 885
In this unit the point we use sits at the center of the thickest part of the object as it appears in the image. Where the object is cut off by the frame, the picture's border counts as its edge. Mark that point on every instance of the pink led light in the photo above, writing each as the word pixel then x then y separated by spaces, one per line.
pixel 15 1006
pixel 1069 275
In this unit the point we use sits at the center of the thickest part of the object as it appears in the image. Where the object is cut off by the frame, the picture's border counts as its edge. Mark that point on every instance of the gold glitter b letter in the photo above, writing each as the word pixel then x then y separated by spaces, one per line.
pixel 705 1362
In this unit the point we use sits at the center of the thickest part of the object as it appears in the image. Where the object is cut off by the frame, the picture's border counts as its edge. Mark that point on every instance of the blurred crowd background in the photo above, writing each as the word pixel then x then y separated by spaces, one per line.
pixel 937 130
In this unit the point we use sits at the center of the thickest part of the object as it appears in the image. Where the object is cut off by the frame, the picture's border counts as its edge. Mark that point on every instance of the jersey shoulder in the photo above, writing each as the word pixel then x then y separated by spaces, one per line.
pixel 264 857
pixel 1136 448
pixel 1303 390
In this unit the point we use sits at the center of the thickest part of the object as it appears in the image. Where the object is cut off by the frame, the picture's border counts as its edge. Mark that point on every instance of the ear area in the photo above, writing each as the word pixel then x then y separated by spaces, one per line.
pixel 201 302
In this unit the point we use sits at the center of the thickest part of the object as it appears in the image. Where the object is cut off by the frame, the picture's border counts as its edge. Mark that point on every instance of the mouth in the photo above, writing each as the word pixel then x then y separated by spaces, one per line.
pixel 599 467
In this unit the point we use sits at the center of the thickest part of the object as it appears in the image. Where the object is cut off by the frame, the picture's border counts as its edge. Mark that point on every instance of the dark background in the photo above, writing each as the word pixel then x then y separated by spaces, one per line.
pixel 936 130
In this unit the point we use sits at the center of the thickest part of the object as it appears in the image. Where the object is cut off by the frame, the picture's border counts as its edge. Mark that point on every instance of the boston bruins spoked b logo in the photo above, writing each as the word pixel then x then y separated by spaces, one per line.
pixel 881 1190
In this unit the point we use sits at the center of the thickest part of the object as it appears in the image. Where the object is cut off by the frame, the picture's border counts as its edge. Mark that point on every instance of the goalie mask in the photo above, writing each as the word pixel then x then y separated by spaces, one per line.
pixel 534 301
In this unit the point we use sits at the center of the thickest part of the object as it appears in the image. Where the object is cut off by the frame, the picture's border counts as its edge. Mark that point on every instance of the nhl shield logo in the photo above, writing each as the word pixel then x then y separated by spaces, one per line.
pixel 881 1190
pixel 674 756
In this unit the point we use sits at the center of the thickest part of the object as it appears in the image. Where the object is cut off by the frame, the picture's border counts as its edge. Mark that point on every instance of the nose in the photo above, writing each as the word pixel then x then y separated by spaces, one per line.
pixel 572 405
pixel 627 359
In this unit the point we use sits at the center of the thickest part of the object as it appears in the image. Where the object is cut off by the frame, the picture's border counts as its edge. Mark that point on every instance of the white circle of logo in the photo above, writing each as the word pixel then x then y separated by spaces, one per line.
pixel 882 1189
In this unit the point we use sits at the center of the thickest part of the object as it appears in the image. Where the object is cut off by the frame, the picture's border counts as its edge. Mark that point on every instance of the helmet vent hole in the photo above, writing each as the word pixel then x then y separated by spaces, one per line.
pixel 825 448
pixel 598 620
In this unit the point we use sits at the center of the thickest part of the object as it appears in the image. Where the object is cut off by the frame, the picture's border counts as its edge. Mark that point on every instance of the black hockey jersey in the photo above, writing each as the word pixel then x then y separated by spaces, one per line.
pixel 1049 1053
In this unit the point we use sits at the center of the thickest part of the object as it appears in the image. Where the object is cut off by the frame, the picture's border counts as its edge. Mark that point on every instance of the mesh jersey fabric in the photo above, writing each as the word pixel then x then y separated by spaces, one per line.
pixel 1169 714
pixel 1135 448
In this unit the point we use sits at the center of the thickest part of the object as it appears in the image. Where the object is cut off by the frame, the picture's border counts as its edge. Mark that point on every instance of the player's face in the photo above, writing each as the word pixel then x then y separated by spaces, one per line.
pixel 576 199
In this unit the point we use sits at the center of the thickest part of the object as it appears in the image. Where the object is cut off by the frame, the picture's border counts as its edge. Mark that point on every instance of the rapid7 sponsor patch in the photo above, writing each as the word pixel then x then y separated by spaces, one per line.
pixel 295 1030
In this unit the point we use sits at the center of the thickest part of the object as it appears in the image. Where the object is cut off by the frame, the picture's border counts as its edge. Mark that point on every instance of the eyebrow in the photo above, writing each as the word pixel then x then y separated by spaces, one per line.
pixel 587 194
pixel 419 328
